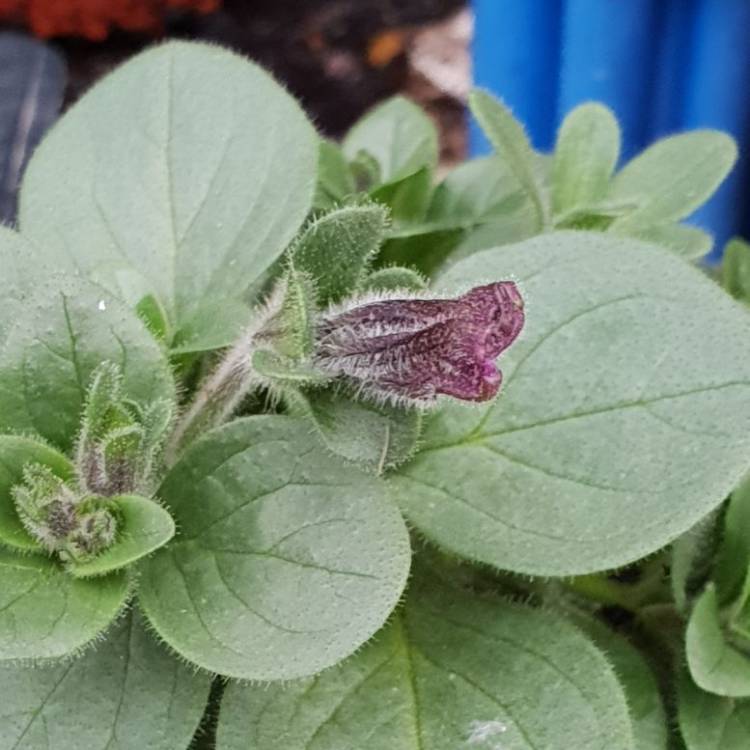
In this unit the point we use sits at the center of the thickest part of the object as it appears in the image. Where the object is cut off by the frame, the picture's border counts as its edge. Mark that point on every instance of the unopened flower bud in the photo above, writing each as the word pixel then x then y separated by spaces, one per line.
pixel 408 351
pixel 120 440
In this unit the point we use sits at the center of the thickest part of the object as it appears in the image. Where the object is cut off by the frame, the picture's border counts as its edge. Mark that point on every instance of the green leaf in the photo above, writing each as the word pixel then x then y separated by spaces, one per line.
pixel 615 431
pixel 143 526
pixel 143 173
pixel 689 242
pixel 378 437
pixel 735 269
pixel 336 248
pixel 335 180
pixel 716 663
pixel 479 191
pixel 394 278
pixel 408 199
pixel 587 150
pixel 15 453
pixel 670 179
pixel 710 722
pixel 20 268
pixel 692 559
pixel 733 561
pixel 511 143
pixel 647 715
pixel 451 671
pixel 128 693
pixel 46 613
pixel 287 559
pixel 399 135
pixel 62 335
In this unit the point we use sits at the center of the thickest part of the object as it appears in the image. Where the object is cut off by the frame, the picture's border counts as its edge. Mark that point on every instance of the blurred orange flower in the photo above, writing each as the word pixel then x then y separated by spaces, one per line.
pixel 94 19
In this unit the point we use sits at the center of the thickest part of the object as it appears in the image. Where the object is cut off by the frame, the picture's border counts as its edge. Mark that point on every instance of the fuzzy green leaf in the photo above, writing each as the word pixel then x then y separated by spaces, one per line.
pixel 286 561
pixel 450 672
pixel 128 693
pixel 143 527
pixel 511 143
pixel 46 613
pixel 615 431
pixel 672 178
pixel 15 453
pixel 479 191
pixel 336 248
pixel 716 663
pixel 62 335
pixel 399 135
pixel 645 706
pixel 587 150
pixel 735 270
pixel 142 174
pixel 378 437
pixel 710 722
pixel 394 278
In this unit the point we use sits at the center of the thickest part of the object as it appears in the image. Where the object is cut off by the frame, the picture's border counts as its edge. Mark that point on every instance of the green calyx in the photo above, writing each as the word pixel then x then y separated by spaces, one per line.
pixel 120 441
pixel 65 522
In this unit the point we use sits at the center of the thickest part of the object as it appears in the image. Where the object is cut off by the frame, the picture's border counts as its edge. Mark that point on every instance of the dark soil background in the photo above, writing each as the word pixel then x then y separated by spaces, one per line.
pixel 338 57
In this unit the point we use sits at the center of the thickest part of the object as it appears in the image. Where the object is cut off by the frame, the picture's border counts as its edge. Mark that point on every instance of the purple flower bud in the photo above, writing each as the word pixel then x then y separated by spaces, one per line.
pixel 411 350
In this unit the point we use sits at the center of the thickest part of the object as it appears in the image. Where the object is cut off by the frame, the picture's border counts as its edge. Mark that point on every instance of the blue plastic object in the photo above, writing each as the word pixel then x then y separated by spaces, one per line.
pixel 516 52
pixel 663 66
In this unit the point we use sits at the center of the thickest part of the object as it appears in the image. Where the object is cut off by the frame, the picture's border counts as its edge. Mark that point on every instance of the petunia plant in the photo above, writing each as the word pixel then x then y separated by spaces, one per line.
pixel 303 446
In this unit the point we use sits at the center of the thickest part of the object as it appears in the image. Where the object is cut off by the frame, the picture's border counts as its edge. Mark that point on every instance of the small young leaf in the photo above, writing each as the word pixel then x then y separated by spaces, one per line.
pixel 141 173
pixel 733 561
pixel 451 671
pixel 735 270
pixel 286 561
pixel 716 664
pixel 393 278
pixel 399 135
pixel 62 335
pixel 587 150
pixel 689 242
pixel 378 437
pixel 512 146
pixel 16 453
pixel 673 177
pixel 607 417
pixel 46 613
pixel 336 248
pixel 711 722
pixel 143 526
pixel 128 693
pixel 335 180
pixel 153 314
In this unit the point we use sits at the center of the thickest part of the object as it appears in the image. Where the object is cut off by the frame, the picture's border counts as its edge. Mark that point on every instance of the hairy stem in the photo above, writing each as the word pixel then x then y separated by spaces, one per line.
pixel 217 399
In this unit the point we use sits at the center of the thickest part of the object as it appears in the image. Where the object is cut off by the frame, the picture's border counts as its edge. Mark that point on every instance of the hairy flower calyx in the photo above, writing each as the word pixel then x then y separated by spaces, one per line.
pixel 407 350
pixel 65 522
